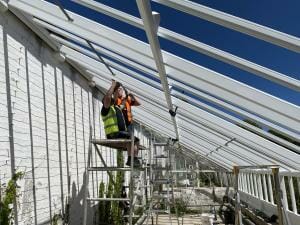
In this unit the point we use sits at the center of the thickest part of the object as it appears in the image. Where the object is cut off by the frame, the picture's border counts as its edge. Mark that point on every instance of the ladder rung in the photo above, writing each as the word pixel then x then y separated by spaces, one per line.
pixel 109 169
pixel 160 168
pixel 166 192
pixel 109 199
pixel 120 144
pixel 162 181
pixel 160 144
pixel 159 197
pixel 145 186
pixel 160 211
pixel 160 157
pixel 133 216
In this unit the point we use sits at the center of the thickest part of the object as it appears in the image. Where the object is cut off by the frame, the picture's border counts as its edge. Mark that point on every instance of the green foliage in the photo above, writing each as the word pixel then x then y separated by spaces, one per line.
pixel 110 212
pixel 101 206
pixel 55 219
pixel 180 205
pixel 6 214
pixel 116 211
pixel 108 204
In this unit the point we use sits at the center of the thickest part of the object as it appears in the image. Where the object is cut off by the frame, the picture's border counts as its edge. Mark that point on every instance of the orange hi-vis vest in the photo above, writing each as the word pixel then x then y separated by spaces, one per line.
pixel 128 103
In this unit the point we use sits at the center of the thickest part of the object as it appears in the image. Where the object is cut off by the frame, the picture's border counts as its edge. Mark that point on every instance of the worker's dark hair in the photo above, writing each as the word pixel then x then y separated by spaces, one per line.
pixel 118 84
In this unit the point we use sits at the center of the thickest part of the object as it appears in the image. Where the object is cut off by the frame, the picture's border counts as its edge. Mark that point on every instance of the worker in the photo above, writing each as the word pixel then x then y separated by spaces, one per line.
pixel 125 100
pixel 115 124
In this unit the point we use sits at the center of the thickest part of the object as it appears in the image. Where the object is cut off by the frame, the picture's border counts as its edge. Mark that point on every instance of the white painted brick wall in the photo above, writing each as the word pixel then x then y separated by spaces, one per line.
pixel 81 109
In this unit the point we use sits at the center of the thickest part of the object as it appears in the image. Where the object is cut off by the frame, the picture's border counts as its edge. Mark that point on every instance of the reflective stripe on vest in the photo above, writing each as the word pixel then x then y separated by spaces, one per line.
pixel 110 121
pixel 128 103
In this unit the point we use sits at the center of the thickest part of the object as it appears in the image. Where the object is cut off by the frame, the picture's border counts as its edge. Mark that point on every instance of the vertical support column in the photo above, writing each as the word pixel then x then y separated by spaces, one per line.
pixel 259 184
pixel 243 182
pixel 227 175
pixel 92 132
pixel 238 215
pixel 265 187
pixel 75 130
pixel 278 194
pixel 298 183
pixel 86 180
pixel 83 130
pixel 292 193
pixel 31 138
pixel 251 184
pixel 10 116
pixel 131 184
pixel 66 139
pixel 95 156
pixel 254 176
pixel 270 189
pixel 197 174
pixel 47 141
pixel 248 184
pixel 59 143
pixel 283 191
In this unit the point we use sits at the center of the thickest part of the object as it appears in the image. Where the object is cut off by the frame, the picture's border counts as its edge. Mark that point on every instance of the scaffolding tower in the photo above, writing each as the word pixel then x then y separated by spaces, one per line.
pixel 162 184
pixel 137 176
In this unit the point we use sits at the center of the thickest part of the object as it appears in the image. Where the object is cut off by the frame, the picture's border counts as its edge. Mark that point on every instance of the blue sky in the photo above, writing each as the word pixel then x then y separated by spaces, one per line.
pixel 280 15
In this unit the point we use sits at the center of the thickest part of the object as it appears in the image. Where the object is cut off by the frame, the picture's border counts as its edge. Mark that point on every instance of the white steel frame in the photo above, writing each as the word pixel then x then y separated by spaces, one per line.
pixel 274 112
pixel 267 106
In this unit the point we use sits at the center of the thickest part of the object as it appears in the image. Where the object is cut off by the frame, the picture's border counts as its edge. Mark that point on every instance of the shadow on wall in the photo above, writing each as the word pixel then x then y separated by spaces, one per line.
pixel 76 206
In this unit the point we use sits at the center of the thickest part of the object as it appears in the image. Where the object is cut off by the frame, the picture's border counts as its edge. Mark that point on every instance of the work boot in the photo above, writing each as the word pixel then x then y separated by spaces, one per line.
pixel 136 162
pixel 128 163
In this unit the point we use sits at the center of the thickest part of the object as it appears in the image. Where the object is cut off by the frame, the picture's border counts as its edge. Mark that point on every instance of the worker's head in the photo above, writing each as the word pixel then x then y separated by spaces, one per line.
pixel 119 91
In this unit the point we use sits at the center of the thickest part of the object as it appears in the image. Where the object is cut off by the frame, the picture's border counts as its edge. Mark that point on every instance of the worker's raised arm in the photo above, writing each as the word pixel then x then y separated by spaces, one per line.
pixel 107 96
pixel 135 100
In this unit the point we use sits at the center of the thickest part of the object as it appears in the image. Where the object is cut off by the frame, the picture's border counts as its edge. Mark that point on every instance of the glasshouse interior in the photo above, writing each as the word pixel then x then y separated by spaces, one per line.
pixel 110 116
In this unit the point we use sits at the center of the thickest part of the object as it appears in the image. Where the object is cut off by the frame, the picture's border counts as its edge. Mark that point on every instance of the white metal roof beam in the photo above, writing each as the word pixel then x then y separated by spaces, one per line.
pixel 150 110
pixel 222 127
pixel 255 101
pixel 235 23
pixel 67 45
pixel 156 115
pixel 151 31
pixel 172 82
pixel 195 45
pixel 234 120
pixel 152 83
pixel 138 86
pixel 242 136
pixel 234 109
pixel 217 146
